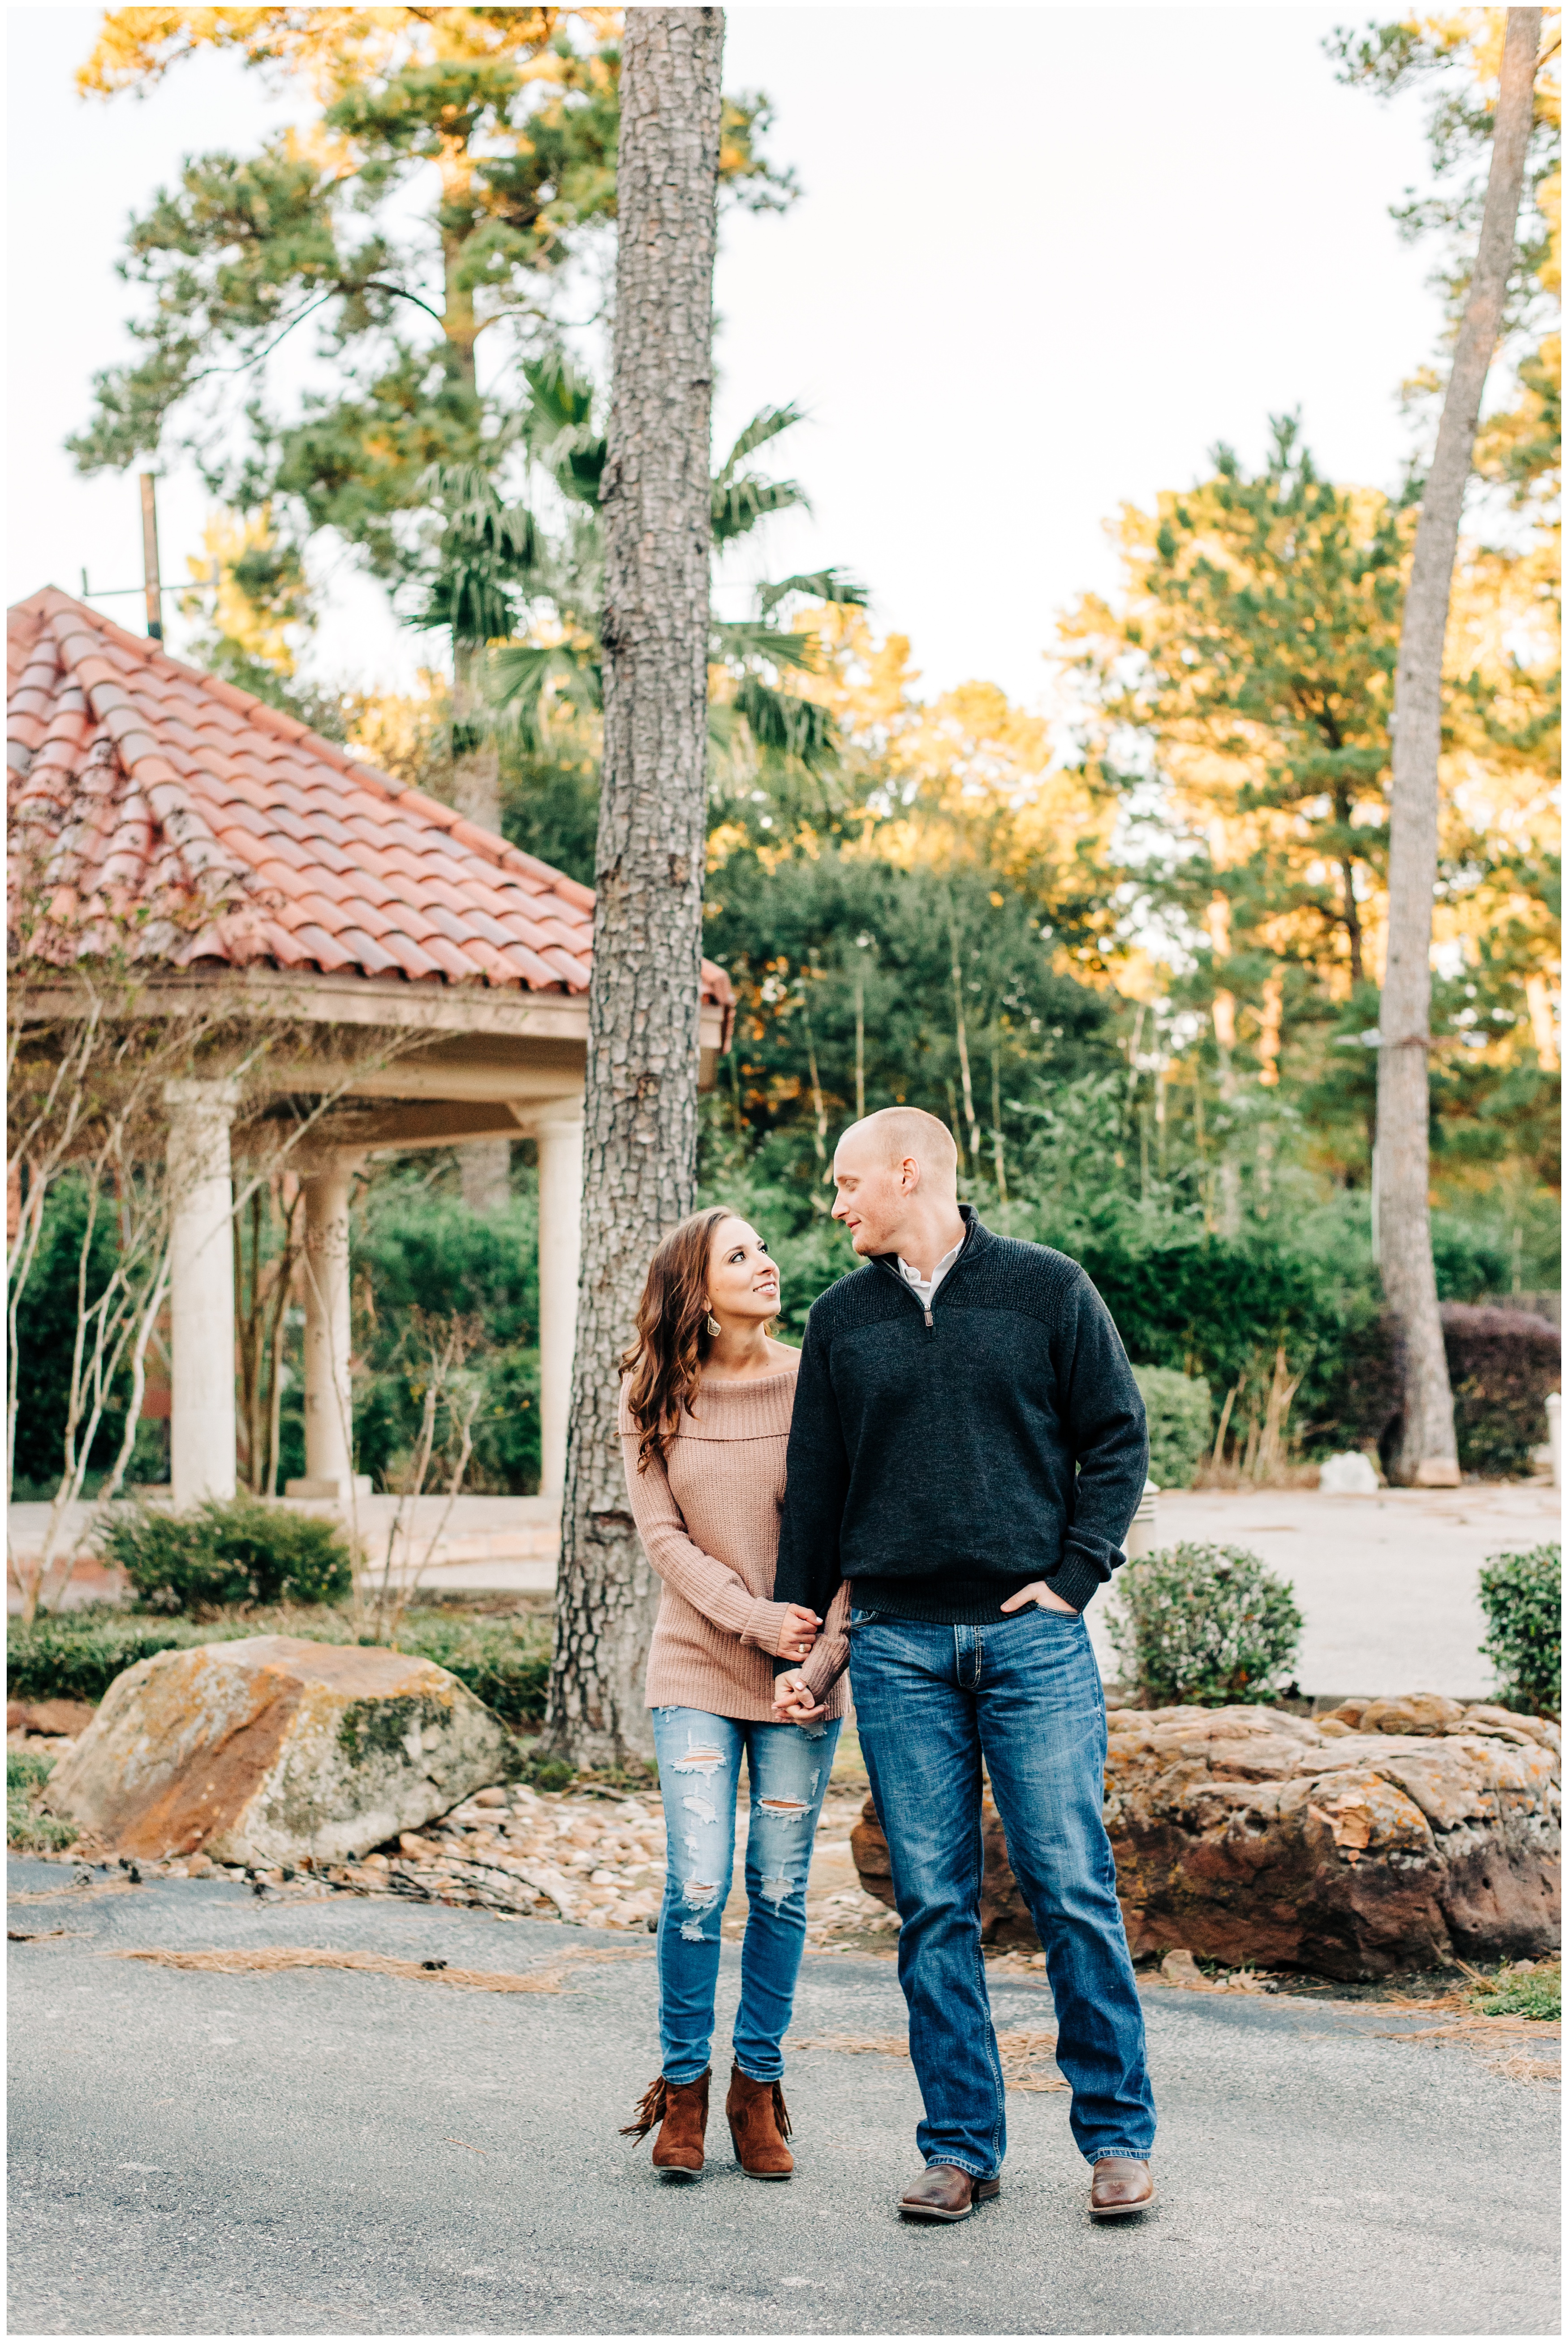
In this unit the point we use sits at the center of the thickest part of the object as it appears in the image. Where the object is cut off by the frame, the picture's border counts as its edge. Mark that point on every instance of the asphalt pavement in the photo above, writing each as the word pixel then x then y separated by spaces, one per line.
pixel 318 2151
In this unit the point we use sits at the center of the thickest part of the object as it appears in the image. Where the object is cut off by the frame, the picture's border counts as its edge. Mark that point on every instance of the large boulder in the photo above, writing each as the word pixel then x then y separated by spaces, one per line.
pixel 272 1750
pixel 1252 1836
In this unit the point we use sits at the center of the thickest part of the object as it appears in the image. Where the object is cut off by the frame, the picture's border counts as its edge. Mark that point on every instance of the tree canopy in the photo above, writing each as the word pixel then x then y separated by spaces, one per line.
pixel 453 165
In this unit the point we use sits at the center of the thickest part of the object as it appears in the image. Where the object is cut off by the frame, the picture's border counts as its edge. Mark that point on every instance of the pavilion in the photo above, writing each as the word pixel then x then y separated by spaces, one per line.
pixel 345 898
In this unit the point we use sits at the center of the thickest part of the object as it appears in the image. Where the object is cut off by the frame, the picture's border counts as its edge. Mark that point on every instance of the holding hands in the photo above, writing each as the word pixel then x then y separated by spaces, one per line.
pixel 793 1702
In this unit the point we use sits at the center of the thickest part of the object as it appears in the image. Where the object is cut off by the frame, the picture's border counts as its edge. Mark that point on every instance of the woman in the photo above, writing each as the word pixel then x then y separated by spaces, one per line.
pixel 705 1404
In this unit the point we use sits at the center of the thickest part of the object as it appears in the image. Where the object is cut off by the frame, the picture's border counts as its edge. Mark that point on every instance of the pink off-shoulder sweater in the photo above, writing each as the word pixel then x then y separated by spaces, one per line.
pixel 708 1517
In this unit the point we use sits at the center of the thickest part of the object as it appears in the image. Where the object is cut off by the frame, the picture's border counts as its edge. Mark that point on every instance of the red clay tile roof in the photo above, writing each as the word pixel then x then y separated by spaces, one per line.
pixel 209 827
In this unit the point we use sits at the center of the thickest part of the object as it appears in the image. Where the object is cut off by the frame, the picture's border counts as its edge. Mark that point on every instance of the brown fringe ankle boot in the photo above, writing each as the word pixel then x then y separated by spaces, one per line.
pixel 680 2111
pixel 759 2125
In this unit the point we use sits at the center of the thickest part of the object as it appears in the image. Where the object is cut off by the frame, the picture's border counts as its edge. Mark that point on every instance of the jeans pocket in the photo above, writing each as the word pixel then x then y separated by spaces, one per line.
pixel 862 1618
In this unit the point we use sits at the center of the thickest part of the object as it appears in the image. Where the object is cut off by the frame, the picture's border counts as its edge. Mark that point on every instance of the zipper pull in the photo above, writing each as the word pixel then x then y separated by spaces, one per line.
pixel 929 1319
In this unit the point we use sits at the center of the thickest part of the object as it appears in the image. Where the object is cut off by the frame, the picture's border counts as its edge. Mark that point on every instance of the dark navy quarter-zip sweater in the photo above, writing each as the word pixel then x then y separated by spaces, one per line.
pixel 941 1458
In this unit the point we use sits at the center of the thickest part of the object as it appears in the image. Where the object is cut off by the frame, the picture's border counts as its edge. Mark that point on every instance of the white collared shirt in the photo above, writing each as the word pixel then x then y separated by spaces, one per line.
pixel 925 1286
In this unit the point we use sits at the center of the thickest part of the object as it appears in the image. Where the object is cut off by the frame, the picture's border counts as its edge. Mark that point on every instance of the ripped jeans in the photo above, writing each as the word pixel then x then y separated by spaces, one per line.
pixel 699 1768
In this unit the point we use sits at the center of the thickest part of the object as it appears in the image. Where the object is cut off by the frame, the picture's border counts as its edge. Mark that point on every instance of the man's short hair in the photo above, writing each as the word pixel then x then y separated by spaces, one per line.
pixel 904 1130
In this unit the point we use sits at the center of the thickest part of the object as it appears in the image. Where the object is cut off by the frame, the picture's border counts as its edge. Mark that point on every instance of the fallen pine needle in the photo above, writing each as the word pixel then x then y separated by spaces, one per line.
pixel 76 1894
pixel 269 1958
pixel 1020 2052
pixel 1020 2070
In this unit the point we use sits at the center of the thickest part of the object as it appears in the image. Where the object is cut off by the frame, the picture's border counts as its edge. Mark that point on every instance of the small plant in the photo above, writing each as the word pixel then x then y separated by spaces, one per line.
pixel 1207 1623
pixel 1537 1993
pixel 1522 1594
pixel 241 1550
pixel 1181 1423
pixel 27 1829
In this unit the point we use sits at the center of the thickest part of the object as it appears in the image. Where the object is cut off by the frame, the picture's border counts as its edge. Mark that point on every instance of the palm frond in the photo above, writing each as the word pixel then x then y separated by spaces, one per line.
pixel 817 586
pixel 517 675
pixel 739 503
pixel 748 638
pixel 766 424
pixel 561 398
pixel 787 724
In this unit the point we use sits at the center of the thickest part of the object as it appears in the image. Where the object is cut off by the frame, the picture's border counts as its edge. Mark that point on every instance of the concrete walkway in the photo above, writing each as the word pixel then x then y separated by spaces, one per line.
pixel 318 2152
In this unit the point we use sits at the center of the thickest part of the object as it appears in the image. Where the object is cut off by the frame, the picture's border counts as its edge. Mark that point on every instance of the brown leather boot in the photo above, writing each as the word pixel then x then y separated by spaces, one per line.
pixel 1122 2184
pixel 943 2192
pixel 680 2111
pixel 759 2125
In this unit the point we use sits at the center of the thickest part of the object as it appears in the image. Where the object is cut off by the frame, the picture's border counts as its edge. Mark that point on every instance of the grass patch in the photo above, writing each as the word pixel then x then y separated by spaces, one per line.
pixel 1538 1993
pixel 27 1829
pixel 504 1661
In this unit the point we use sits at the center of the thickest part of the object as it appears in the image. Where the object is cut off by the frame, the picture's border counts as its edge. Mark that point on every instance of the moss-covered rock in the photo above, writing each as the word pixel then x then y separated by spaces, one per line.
pixel 274 1750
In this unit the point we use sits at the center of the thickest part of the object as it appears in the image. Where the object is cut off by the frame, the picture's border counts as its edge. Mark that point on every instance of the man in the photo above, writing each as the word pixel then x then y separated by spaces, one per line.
pixel 968 1448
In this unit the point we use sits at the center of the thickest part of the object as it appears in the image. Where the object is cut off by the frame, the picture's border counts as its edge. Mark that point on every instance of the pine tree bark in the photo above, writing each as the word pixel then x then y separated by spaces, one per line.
pixel 1428 1450
pixel 639 1172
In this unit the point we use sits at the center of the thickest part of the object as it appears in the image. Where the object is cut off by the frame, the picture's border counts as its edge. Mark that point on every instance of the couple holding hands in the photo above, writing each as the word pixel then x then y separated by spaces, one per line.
pixel 928 1493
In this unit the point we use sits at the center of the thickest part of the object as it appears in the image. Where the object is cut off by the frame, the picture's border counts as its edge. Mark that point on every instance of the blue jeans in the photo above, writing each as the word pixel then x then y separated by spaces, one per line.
pixel 1023 1694
pixel 699 1770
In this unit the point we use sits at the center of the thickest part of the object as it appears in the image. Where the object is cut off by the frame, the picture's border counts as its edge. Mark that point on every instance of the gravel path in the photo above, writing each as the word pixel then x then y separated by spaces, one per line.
pixel 320 2152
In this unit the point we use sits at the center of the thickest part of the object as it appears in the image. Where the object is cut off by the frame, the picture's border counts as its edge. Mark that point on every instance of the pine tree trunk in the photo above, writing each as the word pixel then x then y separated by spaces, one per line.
pixel 639 1171
pixel 1428 1451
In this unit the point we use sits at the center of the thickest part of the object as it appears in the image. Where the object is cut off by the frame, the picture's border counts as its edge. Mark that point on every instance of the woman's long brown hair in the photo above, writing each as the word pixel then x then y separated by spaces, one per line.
pixel 673 1339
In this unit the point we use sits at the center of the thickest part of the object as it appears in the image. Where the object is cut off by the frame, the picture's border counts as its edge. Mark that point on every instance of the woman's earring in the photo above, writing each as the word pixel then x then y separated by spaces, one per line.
pixel 715 1328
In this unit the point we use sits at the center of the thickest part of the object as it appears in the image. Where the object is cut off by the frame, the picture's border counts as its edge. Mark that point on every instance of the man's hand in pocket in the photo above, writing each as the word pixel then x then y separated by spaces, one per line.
pixel 1040 1594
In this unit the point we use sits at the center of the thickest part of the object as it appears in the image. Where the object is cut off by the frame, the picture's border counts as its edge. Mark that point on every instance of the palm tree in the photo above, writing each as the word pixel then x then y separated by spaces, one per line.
pixel 1428 1450
pixel 561 437
pixel 487 551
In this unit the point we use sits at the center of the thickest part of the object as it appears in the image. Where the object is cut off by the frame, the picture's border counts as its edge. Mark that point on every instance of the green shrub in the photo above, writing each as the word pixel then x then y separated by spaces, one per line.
pixel 1208 1624
pixel 244 1550
pixel 1538 1994
pixel 27 1829
pixel 1522 1594
pixel 504 1662
pixel 77 1654
pixel 1181 1423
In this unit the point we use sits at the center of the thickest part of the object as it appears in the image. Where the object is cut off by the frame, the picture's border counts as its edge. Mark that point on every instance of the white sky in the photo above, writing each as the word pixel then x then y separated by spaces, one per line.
pixel 1044 258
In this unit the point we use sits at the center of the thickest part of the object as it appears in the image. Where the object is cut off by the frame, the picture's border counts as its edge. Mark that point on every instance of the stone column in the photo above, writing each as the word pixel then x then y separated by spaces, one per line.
pixel 560 1145
pixel 323 1273
pixel 201 1289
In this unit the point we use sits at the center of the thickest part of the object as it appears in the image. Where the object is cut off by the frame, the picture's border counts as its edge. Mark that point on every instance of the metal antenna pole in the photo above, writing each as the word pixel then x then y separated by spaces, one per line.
pixel 150 557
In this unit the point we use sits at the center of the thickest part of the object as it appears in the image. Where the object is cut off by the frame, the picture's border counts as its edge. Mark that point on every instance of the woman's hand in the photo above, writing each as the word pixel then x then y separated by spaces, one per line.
pixel 797 1632
pixel 1042 1595
pixel 794 1702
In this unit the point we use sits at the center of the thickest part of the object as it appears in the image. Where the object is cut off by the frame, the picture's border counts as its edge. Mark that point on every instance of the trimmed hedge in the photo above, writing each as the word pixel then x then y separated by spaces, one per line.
pixel 1501 1363
pixel 241 1550
pixel 1204 1623
pixel 504 1662
pixel 1181 1423
pixel 1522 1594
